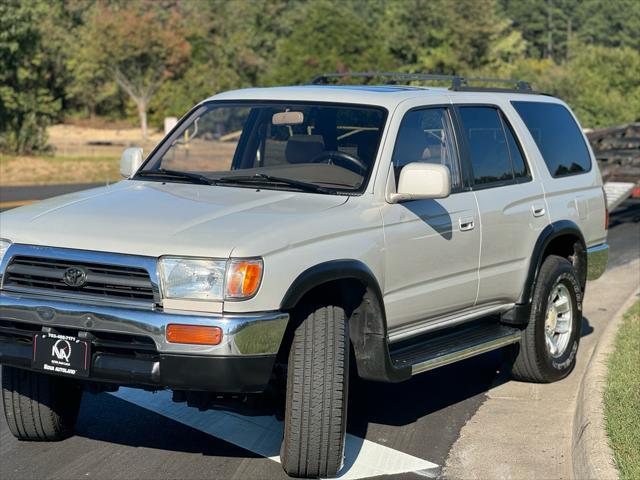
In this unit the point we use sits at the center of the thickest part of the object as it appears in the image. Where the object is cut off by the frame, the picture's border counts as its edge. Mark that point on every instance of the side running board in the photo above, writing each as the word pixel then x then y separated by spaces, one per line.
pixel 449 346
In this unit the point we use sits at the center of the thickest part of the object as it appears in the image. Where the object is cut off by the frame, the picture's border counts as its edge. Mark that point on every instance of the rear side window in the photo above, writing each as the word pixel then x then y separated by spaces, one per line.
pixel 519 165
pixel 488 149
pixel 558 137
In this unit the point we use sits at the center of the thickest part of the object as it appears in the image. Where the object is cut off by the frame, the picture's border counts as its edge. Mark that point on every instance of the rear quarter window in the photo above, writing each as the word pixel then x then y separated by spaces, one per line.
pixel 558 137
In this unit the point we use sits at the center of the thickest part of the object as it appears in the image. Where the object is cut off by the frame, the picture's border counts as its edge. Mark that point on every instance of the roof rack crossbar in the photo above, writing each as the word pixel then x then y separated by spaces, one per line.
pixel 457 82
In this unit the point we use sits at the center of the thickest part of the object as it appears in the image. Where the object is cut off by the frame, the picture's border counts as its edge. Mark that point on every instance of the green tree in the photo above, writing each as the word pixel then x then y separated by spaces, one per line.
pixel 418 35
pixel 27 104
pixel 599 83
pixel 603 85
pixel 552 27
pixel 323 35
pixel 450 37
pixel 546 25
pixel 232 46
pixel 139 45
pixel 614 23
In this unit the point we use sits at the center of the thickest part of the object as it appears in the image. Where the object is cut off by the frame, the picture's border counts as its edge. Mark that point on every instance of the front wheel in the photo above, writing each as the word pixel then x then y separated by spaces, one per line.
pixel 316 403
pixel 547 351
pixel 39 407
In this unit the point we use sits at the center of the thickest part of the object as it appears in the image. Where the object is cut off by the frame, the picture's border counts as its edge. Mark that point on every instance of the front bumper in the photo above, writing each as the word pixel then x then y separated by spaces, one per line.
pixel 597 258
pixel 129 345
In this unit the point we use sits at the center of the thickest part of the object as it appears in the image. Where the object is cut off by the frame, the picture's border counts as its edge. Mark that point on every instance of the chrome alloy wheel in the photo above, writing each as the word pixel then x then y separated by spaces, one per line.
pixel 559 320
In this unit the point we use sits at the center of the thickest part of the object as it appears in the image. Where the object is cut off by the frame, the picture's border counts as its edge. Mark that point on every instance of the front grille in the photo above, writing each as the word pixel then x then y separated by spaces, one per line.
pixel 106 282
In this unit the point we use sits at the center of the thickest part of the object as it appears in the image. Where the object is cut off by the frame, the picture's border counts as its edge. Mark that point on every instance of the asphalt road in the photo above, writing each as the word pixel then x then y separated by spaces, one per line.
pixel 406 427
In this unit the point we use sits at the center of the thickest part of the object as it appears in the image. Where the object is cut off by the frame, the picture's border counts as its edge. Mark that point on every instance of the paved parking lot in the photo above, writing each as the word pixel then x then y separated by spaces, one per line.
pixel 404 431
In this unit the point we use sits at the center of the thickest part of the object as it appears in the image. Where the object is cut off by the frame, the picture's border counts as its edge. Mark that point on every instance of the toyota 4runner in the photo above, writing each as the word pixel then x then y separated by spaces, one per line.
pixel 279 240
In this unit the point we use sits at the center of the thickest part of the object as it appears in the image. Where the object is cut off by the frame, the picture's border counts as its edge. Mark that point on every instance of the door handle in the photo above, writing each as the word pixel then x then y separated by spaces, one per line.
pixel 466 224
pixel 537 210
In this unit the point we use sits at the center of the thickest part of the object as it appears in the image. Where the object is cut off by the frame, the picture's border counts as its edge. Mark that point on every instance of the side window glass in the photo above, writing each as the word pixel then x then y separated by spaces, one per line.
pixel 519 165
pixel 557 135
pixel 427 136
pixel 488 148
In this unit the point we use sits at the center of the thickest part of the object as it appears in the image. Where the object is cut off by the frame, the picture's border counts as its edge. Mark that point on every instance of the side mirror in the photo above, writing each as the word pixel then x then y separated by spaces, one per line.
pixel 130 161
pixel 421 181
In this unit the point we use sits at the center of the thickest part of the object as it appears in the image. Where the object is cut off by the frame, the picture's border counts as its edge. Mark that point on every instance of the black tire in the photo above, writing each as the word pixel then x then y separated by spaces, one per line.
pixel 317 391
pixel 533 360
pixel 39 407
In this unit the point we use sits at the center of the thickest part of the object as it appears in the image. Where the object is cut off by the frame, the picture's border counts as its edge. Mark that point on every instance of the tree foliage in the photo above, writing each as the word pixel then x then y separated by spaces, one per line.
pixel 327 36
pixel 27 86
pixel 138 45
pixel 120 58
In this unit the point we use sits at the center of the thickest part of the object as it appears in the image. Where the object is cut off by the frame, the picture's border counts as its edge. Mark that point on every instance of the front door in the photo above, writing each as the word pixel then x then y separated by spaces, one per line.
pixel 431 246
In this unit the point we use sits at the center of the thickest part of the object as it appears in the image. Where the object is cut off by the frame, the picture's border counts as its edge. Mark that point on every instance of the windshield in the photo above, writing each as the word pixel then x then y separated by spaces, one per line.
pixel 316 147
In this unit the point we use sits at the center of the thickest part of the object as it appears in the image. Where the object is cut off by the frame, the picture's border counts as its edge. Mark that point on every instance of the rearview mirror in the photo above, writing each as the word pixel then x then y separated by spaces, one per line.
pixel 130 161
pixel 421 181
pixel 288 118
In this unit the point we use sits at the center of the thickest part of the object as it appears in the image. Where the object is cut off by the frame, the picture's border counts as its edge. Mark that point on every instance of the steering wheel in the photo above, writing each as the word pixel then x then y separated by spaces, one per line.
pixel 335 157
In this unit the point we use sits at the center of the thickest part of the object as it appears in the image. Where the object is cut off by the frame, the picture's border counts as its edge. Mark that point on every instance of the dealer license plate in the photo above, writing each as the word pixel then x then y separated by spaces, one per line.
pixel 61 354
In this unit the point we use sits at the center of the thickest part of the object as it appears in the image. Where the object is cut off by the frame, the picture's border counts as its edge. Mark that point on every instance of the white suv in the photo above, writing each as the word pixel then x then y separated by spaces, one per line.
pixel 278 234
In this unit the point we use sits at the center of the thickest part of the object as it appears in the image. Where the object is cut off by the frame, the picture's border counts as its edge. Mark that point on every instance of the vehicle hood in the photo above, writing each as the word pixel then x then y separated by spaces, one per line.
pixel 154 219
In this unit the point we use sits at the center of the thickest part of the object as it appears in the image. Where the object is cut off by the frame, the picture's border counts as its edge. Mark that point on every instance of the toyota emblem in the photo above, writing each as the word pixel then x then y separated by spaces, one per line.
pixel 74 277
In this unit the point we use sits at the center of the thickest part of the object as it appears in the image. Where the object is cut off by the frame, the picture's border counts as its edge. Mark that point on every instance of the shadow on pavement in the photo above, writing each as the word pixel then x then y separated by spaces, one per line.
pixel 587 329
pixel 106 418
pixel 404 403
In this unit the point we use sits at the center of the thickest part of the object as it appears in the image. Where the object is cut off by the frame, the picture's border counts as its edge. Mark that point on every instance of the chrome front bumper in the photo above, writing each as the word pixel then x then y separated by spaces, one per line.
pixel 597 258
pixel 243 335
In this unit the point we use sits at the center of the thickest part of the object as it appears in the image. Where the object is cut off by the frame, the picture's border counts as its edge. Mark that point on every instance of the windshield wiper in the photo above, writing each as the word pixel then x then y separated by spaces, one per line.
pixel 262 178
pixel 163 172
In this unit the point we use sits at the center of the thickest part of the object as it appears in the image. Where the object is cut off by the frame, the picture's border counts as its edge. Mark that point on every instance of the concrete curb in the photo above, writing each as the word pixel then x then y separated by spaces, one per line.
pixel 591 455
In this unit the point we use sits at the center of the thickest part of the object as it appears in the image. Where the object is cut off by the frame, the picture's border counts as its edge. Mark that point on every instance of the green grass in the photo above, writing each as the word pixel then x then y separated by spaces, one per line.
pixel 622 397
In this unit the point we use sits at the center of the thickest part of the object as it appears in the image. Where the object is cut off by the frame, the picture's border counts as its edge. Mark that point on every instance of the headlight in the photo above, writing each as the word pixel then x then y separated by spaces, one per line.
pixel 4 246
pixel 195 279
pixel 208 279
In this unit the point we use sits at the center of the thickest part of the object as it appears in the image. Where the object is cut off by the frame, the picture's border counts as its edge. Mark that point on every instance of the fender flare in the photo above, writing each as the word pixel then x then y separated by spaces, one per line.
pixel 548 234
pixel 367 324
pixel 315 276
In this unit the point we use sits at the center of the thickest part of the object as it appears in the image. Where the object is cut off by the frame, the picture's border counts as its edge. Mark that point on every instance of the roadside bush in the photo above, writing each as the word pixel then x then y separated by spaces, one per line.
pixel 25 129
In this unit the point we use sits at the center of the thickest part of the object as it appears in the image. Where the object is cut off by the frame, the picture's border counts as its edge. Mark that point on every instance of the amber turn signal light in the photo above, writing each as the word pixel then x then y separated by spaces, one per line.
pixel 243 278
pixel 194 334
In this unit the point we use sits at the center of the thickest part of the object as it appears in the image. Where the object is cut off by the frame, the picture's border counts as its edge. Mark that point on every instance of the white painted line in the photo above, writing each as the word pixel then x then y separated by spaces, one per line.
pixel 263 435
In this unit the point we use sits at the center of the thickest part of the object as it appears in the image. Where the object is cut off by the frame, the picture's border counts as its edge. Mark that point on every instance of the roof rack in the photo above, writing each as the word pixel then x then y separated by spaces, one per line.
pixel 458 83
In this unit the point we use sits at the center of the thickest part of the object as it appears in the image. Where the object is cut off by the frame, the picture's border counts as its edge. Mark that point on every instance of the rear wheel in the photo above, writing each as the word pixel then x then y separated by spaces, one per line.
pixel 39 407
pixel 316 403
pixel 547 352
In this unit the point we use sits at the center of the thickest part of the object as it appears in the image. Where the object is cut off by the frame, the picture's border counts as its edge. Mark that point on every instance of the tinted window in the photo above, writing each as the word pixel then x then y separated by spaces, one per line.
pixel 519 165
pixel 558 137
pixel 426 136
pixel 488 148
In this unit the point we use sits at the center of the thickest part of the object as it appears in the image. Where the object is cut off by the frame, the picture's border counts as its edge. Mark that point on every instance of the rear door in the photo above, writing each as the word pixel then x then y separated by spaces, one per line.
pixel 568 170
pixel 510 201
pixel 431 246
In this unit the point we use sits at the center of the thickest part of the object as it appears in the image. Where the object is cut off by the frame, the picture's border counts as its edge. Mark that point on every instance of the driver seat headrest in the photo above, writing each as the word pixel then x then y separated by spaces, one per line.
pixel 302 148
